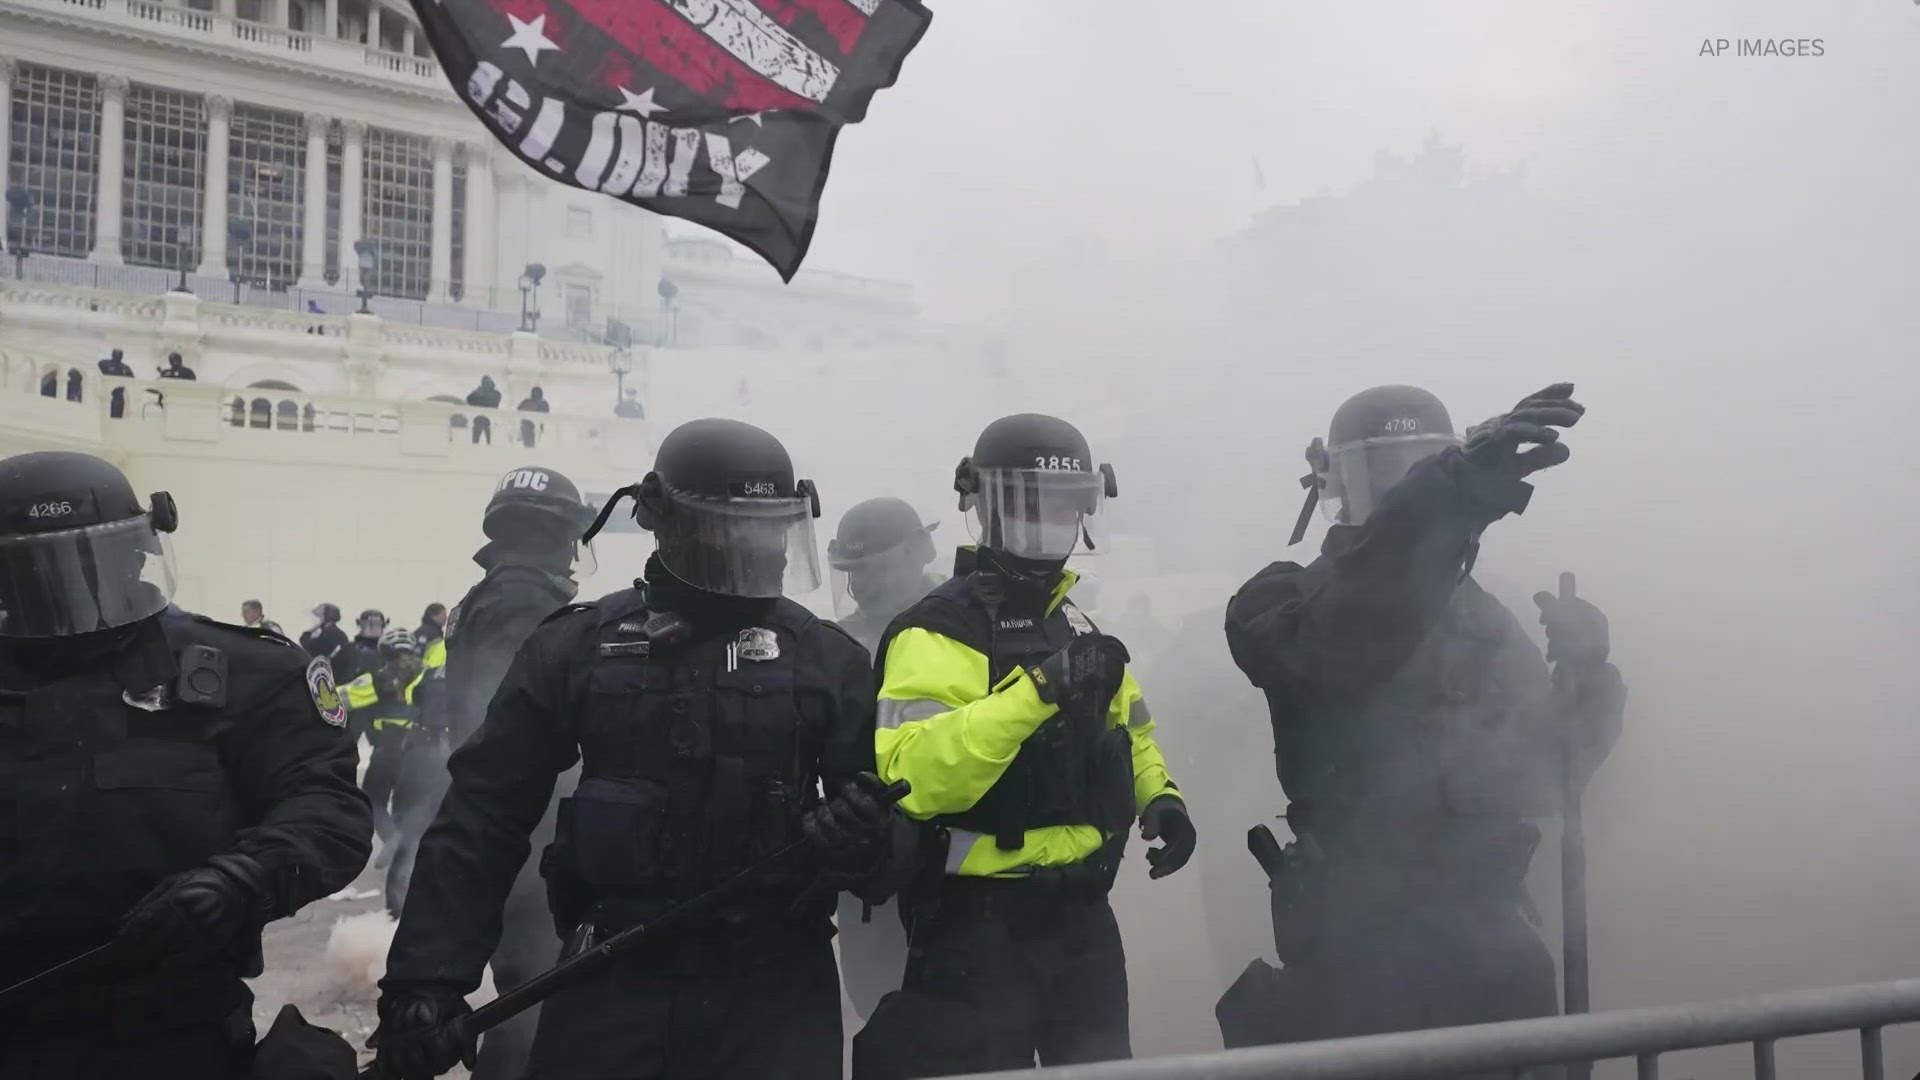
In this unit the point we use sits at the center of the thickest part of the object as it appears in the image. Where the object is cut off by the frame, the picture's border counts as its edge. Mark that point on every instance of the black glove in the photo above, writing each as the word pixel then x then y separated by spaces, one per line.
pixel 1577 637
pixel 198 914
pixel 1090 668
pixel 422 1033
pixel 1166 819
pixel 849 829
pixel 1494 445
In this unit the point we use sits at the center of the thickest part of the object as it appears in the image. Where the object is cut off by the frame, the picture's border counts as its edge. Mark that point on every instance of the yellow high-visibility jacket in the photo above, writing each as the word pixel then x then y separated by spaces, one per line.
pixel 952 732
pixel 363 693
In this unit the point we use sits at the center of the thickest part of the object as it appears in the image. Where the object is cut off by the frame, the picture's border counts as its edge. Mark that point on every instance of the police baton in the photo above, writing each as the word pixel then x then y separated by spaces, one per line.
pixel 1573 882
pixel 79 965
pixel 593 960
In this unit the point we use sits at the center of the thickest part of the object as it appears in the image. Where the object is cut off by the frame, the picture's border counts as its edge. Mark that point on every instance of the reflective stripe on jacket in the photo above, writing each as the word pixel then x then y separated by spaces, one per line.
pixel 943 729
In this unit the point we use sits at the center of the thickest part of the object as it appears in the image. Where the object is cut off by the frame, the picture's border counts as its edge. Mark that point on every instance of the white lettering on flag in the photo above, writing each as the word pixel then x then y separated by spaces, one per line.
pixel 546 127
pixel 756 40
pixel 654 168
pixel 686 147
pixel 599 149
pixel 867 7
pixel 632 143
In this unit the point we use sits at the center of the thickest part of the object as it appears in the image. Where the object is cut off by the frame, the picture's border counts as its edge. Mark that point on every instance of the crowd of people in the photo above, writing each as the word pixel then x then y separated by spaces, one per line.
pixel 971 745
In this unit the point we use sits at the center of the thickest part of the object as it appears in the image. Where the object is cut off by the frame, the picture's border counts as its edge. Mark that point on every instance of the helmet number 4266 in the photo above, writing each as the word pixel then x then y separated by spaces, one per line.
pixel 50 509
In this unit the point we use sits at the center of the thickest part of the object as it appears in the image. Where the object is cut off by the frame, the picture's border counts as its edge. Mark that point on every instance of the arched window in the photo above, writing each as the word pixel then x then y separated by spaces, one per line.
pixel 261 413
pixel 238 412
pixel 287 416
pixel 306 417
pixel 458 421
pixel 50 383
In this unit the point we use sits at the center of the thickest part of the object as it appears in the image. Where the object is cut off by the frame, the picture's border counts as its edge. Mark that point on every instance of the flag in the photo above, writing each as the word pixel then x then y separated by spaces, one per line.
pixel 721 112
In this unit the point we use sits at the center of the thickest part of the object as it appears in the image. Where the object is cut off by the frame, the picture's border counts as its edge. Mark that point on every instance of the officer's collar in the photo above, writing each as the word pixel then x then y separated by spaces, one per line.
pixel 1340 539
pixel 998 576
pixel 707 611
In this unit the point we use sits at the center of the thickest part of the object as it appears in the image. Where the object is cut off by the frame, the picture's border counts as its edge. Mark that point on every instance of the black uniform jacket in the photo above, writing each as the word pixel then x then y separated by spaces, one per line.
pixel 563 695
pixel 107 788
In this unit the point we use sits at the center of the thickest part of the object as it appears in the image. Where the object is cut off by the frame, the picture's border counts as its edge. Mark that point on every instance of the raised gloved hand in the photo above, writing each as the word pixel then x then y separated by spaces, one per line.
pixel 1577 636
pixel 1090 667
pixel 422 1033
pixel 848 829
pixel 1166 819
pixel 1495 445
pixel 199 913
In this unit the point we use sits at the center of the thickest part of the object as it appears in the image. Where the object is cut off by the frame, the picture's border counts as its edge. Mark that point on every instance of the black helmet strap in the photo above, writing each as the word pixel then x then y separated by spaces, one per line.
pixel 631 491
pixel 1318 464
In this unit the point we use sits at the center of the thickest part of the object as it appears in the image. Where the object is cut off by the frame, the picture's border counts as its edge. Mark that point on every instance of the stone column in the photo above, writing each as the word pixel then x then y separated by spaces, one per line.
pixel 330 19
pixel 313 230
pixel 353 148
pixel 440 257
pixel 7 67
pixel 406 39
pixel 373 24
pixel 510 213
pixel 480 224
pixel 113 148
pixel 213 214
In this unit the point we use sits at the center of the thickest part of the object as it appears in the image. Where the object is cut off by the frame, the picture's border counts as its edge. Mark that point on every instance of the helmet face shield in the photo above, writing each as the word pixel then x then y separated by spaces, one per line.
pixel 1039 513
pixel 751 547
pixel 79 581
pixel 1360 473
pixel 884 582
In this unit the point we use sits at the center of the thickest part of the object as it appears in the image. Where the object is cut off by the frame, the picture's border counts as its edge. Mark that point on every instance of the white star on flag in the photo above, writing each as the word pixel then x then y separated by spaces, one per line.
pixel 530 38
pixel 759 123
pixel 641 103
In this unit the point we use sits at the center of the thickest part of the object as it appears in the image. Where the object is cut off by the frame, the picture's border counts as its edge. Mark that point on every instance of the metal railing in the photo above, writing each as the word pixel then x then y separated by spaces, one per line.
pixel 61 270
pixel 1518 1045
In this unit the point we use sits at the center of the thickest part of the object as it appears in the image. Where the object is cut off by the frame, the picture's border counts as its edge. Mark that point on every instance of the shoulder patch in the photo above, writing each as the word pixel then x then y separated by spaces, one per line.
pixel 326 696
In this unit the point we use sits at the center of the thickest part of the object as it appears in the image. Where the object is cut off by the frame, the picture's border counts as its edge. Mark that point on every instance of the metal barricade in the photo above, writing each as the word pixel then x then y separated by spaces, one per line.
pixel 1515 1046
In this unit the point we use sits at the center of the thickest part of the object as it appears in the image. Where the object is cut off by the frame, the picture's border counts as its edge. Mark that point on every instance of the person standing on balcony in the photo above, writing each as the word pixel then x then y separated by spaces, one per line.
pixel 115 364
pixel 536 401
pixel 484 396
pixel 629 407
pixel 177 369
pixel 74 390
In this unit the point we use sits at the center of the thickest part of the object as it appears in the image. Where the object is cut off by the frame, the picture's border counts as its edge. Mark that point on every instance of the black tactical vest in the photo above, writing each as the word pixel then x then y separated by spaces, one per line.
pixel 105 791
pixel 695 760
pixel 1062 775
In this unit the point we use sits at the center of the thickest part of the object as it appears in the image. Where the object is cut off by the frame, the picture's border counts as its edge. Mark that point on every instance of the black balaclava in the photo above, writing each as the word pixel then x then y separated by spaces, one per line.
pixel 709 612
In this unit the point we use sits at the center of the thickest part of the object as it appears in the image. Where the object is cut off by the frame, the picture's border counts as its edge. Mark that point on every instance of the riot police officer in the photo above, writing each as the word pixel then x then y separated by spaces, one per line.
pixel 1030 750
pixel 704 707
pixel 533 523
pixel 172 784
pixel 1416 729
pixel 879 557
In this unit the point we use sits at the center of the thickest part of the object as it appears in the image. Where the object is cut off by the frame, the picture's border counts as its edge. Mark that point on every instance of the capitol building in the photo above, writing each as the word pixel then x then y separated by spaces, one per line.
pixel 288 195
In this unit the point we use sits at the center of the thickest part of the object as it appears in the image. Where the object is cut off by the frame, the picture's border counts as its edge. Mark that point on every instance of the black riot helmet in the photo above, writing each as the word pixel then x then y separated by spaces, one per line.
pixel 78 553
pixel 537 506
pixel 727 514
pixel 879 554
pixel 1034 488
pixel 1375 437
